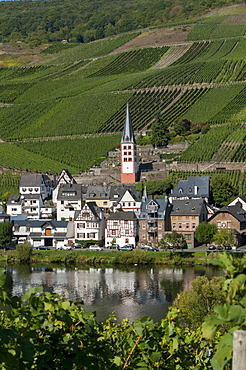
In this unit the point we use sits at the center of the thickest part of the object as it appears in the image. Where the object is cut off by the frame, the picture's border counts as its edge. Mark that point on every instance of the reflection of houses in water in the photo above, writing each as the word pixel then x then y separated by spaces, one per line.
pixel 96 284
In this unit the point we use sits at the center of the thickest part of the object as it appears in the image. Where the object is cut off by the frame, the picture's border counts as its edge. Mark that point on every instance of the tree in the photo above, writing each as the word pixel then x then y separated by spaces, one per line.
pixel 222 190
pixel 173 240
pixel 224 237
pixel 160 133
pixel 6 233
pixel 204 232
pixel 198 302
pixel 181 127
pixel 24 252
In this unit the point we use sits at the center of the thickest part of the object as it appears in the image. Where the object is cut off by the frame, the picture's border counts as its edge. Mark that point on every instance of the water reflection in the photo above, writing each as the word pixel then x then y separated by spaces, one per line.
pixel 129 292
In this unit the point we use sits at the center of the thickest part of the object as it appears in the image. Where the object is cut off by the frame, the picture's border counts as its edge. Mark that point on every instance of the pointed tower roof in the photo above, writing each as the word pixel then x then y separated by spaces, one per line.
pixel 145 196
pixel 128 134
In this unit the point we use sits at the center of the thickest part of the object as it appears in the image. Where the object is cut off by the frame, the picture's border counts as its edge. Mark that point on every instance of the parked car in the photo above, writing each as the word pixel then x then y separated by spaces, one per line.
pixel 127 247
pixel 148 248
pixel 219 248
pixel 95 248
pixel 113 246
pixel 212 247
pixel 227 247
pixel 42 247
pixel 65 247
pixel 78 245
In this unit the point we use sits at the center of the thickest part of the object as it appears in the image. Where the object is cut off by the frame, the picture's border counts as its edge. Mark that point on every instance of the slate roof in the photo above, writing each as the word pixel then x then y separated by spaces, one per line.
pixel 236 211
pixel 93 208
pixel 120 191
pixel 121 215
pixel 39 223
pixel 31 180
pixel 97 192
pixel 194 187
pixel 161 203
pixel 65 191
pixel 14 199
pixel 128 134
pixel 187 207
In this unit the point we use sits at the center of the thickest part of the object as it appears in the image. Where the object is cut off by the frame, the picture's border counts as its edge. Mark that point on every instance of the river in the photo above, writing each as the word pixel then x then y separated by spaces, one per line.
pixel 129 292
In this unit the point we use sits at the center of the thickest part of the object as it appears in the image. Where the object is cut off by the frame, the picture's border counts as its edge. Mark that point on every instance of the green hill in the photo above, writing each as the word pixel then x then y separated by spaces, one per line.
pixel 59 110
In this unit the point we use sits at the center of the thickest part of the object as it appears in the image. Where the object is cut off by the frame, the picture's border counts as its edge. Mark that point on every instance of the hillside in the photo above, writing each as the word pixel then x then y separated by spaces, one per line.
pixel 64 105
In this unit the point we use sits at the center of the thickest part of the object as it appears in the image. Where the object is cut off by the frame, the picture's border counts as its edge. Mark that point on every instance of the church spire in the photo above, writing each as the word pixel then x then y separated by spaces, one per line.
pixel 128 134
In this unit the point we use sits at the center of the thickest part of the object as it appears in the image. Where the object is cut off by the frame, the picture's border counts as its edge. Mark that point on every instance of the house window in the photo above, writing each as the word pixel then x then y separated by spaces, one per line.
pixel 187 236
pixel 134 204
pixel 174 226
pixel 124 147
pixel 30 189
pixel 27 228
pixel 218 225
pixel 125 159
pixel 91 235
pixel 187 226
pixel 180 226
pixel 129 153
pixel 143 226
pixel 126 222
pixel 36 189
pixel 125 153
pixel 129 204
pixel 23 189
pixel 123 204
pixel 126 240
pixel 17 227
pixel 81 235
pixel 105 203
pixel 113 232
pixel 193 226
pixel 127 231
pixel 130 159
pixel 129 146
pixel 115 223
pixel 159 226
pixel 13 209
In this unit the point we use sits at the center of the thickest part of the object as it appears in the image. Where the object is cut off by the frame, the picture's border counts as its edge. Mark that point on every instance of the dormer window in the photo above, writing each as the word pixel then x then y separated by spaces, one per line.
pixel 177 208
pixel 36 189
pixel 190 190
pixel 30 189
pixel 24 189
pixel 193 208
pixel 180 191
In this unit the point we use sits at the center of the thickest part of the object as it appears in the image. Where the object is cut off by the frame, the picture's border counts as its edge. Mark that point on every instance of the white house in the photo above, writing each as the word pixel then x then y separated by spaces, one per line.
pixel 121 228
pixel 124 197
pixel 64 178
pixel 50 233
pixel 69 200
pixel 90 223
pixel 14 205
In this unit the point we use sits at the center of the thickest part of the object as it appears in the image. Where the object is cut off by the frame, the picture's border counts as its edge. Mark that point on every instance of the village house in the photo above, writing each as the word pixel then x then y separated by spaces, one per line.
pixel 64 178
pixel 69 200
pixel 154 220
pixel 100 194
pixel 195 187
pixel 124 197
pixel 232 217
pixel 186 215
pixel 34 189
pixel 89 223
pixel 121 228
pixel 50 233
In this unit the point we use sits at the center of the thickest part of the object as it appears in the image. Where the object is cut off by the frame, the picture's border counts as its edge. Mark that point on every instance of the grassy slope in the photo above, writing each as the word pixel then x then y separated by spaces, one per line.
pixel 57 100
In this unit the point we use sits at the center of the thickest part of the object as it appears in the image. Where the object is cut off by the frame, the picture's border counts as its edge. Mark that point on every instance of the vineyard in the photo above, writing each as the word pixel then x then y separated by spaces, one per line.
pixel 9 183
pixel 74 90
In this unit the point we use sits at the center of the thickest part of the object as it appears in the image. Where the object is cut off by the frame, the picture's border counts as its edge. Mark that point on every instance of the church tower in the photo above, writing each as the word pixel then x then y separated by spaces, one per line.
pixel 128 152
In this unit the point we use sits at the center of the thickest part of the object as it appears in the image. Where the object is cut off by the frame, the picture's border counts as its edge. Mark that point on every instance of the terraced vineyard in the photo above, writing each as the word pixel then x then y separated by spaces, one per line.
pixel 78 90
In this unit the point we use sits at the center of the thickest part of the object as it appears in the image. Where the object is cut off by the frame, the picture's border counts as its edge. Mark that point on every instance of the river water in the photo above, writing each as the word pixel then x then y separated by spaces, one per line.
pixel 129 292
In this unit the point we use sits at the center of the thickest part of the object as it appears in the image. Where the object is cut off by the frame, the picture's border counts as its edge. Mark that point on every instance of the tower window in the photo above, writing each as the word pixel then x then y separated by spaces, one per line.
pixel 129 146
pixel 129 159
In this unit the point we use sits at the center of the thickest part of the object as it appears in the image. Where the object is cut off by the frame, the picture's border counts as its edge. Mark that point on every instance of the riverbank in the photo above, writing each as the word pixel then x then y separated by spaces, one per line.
pixel 112 257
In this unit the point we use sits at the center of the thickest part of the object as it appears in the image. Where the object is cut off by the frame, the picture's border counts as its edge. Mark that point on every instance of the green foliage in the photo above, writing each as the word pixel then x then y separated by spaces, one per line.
pixel 199 301
pixel 24 252
pixel 224 236
pixel 173 240
pixel 155 187
pixel 6 233
pixel 160 133
pixel 232 313
pixel 221 189
pixel 204 232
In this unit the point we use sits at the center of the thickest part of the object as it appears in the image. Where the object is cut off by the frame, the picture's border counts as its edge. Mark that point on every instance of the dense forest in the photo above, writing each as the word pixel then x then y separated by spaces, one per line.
pixel 83 21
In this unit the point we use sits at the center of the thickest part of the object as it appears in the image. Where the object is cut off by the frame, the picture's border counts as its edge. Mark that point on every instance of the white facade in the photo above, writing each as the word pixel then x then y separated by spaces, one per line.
pixel 121 231
pixel 128 203
pixel 90 223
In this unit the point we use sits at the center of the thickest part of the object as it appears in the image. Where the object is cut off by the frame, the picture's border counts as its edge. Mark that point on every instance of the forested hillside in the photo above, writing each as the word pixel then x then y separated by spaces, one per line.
pixel 65 106
pixel 87 20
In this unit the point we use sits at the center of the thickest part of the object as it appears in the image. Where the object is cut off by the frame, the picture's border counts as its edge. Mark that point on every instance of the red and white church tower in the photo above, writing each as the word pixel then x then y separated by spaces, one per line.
pixel 128 152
